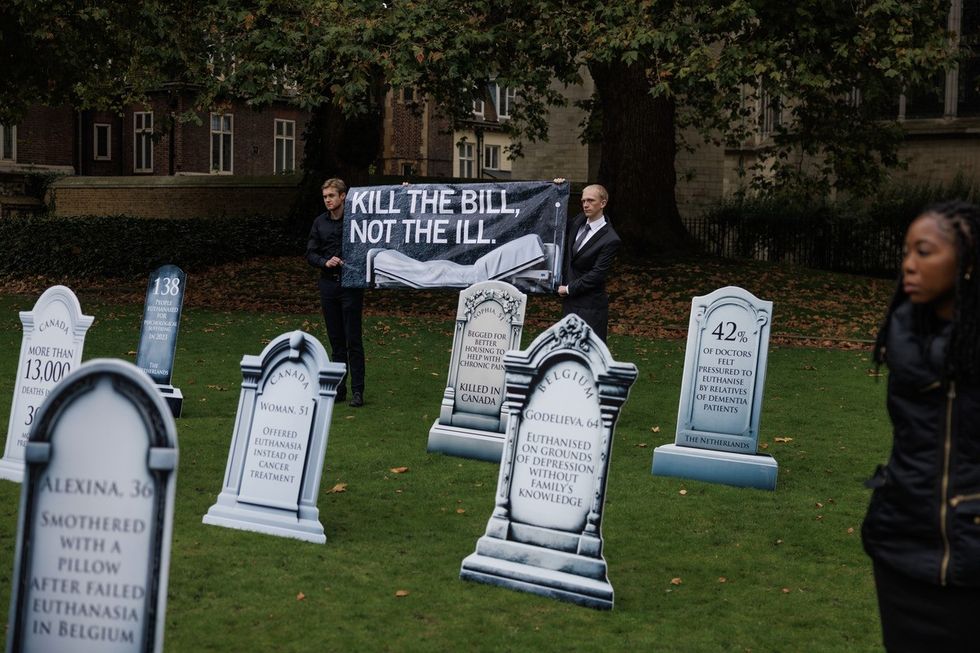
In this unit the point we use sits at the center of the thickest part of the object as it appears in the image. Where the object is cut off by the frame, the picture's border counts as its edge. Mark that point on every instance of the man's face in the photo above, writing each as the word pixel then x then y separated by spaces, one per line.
pixel 592 205
pixel 333 199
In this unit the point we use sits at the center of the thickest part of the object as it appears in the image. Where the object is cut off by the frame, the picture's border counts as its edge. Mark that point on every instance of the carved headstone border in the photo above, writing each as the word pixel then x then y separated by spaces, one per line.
pixel 456 432
pixel 493 562
pixel 173 395
pixel 303 524
pixel 162 455
pixel 12 464
pixel 720 459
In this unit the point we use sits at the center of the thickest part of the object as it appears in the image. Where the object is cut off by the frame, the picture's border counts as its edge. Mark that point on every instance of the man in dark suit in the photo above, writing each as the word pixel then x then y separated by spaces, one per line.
pixel 590 249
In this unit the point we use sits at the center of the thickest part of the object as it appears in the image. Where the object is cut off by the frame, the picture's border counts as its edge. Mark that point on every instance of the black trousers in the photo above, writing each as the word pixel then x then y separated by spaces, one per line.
pixel 342 313
pixel 918 616
pixel 594 309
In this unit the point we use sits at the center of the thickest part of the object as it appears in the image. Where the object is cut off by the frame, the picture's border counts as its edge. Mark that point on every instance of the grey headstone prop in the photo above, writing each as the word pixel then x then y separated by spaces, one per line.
pixel 564 394
pixel 717 436
pixel 96 516
pixel 489 319
pixel 158 334
pixel 54 336
pixel 276 458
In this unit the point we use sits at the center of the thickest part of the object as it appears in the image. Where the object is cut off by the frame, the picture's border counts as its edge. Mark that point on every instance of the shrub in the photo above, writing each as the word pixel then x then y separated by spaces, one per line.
pixel 863 235
pixel 88 246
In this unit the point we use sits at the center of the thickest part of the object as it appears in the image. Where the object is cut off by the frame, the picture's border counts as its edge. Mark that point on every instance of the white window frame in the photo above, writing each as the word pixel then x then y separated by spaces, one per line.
pixel 491 157
pixel 142 141
pixel 4 145
pixel 478 108
pixel 509 98
pixel 467 160
pixel 281 139
pixel 107 129
pixel 224 167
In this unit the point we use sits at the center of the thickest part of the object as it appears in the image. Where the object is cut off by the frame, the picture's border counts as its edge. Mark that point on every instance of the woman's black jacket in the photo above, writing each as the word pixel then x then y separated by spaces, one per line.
pixel 924 516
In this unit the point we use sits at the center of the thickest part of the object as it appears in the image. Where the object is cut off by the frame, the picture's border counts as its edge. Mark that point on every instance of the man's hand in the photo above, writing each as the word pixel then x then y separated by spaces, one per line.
pixel 563 291
pixel 558 180
pixel 333 262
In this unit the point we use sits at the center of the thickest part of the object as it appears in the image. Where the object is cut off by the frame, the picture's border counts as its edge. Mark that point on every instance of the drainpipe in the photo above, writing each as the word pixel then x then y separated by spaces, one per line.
pixel 479 152
pixel 77 150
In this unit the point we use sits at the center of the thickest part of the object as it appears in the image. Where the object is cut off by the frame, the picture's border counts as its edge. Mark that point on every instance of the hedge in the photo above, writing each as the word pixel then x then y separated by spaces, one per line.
pixel 90 246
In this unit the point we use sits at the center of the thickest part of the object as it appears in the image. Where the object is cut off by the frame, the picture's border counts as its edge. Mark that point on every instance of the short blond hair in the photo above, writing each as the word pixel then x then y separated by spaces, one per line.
pixel 336 184
pixel 599 188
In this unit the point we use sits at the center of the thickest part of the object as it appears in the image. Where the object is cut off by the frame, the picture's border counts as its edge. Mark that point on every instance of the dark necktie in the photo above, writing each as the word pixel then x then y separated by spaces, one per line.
pixel 582 233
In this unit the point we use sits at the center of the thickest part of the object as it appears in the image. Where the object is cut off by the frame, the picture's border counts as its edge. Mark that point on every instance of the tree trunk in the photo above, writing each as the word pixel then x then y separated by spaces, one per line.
pixel 637 162
pixel 335 146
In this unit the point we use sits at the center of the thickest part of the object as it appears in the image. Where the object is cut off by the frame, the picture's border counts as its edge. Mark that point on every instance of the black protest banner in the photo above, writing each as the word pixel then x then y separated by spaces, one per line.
pixel 455 235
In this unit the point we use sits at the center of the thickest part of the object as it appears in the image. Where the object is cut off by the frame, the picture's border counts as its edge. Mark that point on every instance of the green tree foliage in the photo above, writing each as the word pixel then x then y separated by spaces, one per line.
pixel 661 69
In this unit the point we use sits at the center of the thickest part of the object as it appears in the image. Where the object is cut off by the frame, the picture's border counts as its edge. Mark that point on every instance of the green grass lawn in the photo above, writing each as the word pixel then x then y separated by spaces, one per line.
pixel 758 571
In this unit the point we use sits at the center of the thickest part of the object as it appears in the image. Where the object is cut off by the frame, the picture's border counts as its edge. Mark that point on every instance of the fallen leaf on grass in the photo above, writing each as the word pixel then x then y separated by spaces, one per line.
pixel 338 488
pixel 460 511
pixel 300 596
pixel 399 470
pixel 722 579
pixel 782 439
pixel 764 445
pixel 850 531
pixel 130 353
pixel 676 581
pixel 401 593
pixel 655 429
pixel 785 590
pixel 641 445
pixel 682 492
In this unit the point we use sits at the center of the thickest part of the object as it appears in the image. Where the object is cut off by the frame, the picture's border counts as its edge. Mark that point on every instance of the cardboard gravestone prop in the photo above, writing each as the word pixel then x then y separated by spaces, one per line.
pixel 489 318
pixel 721 394
pixel 54 335
pixel 276 459
pixel 158 334
pixel 96 516
pixel 564 394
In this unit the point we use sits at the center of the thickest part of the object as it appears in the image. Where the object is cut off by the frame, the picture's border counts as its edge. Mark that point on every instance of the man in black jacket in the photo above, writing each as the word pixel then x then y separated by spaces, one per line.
pixel 591 246
pixel 341 306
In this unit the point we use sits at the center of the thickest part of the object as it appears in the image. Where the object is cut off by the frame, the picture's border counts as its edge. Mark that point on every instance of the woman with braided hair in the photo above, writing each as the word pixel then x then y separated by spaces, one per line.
pixel 922 529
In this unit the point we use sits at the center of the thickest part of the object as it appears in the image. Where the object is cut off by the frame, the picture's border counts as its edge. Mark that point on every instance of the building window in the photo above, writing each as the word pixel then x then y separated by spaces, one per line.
pixel 285 146
pixel 408 94
pixel 927 100
pixel 143 141
pixel 8 142
pixel 510 97
pixel 408 170
pixel 478 108
pixel 101 137
pixel 956 92
pixel 968 70
pixel 491 157
pixel 503 99
pixel 221 143
pixel 770 114
pixel 466 160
